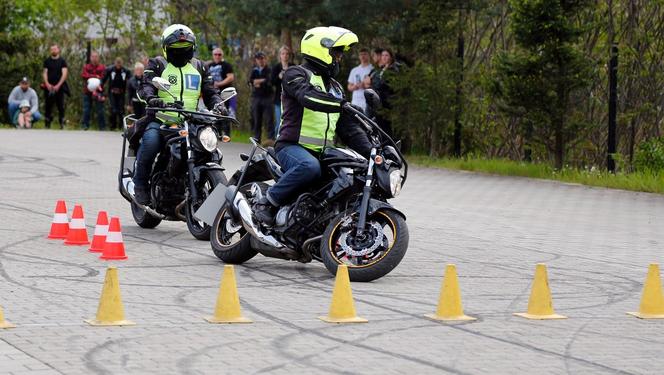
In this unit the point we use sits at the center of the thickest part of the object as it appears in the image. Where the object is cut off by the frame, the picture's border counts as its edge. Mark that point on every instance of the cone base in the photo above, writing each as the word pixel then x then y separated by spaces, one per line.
pixel 6 325
pixel 100 323
pixel 97 250
pixel 113 258
pixel 238 320
pixel 56 237
pixel 76 243
pixel 540 317
pixel 646 316
pixel 355 319
pixel 458 318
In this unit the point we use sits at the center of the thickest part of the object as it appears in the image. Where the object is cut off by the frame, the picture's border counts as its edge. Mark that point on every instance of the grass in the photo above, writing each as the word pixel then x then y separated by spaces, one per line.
pixel 649 182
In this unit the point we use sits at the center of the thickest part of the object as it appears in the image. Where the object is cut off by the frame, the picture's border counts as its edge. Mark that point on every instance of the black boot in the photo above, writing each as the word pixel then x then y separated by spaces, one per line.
pixel 264 211
pixel 142 195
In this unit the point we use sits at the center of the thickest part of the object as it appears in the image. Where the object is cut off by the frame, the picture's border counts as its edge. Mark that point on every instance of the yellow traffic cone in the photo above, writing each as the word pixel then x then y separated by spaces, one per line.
pixel 540 305
pixel 3 322
pixel 342 309
pixel 449 303
pixel 227 309
pixel 652 300
pixel 110 311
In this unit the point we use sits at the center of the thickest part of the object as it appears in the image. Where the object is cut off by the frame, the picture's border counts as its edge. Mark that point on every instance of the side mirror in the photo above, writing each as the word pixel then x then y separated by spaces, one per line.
pixel 372 98
pixel 227 93
pixel 161 83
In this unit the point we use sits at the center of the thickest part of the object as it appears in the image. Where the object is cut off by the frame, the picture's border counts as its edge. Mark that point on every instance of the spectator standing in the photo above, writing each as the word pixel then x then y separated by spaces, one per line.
pixel 356 79
pixel 261 97
pixel 93 69
pixel 379 81
pixel 223 77
pixel 117 76
pixel 55 85
pixel 277 75
pixel 376 56
pixel 22 117
pixel 19 94
pixel 136 106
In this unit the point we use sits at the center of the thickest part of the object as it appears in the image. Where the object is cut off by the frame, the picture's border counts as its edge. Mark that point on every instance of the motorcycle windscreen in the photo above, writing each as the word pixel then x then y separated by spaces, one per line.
pixel 207 212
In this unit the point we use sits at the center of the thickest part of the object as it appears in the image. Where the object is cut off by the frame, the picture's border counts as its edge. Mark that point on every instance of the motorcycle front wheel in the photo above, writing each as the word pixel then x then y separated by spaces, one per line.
pixel 208 181
pixel 229 240
pixel 371 255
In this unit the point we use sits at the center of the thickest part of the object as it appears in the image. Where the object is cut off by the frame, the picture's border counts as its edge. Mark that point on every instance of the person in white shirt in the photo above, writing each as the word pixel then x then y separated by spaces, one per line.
pixel 356 77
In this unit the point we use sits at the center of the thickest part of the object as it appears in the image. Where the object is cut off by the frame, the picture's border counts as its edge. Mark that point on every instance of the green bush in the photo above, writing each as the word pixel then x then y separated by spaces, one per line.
pixel 650 156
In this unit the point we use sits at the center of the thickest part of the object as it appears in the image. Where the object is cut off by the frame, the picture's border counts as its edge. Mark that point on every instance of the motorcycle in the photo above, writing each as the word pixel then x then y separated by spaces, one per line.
pixel 342 219
pixel 188 168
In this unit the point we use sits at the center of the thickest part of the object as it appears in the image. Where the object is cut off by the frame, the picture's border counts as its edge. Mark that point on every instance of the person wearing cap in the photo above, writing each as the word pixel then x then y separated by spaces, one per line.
pixel 313 116
pixel 22 117
pixel 261 98
pixel 24 93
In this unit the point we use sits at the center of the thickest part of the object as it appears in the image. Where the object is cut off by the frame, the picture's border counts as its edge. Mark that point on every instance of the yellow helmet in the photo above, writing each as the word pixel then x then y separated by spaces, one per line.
pixel 320 43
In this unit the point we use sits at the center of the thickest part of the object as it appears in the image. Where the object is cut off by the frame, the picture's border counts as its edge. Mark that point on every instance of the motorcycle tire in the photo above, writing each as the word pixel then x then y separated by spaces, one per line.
pixel 200 230
pixel 232 253
pixel 383 262
pixel 143 218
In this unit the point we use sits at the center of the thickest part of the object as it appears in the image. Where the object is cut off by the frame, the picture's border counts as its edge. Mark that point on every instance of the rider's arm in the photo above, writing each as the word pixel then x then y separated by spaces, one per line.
pixel 208 91
pixel 145 89
pixel 296 84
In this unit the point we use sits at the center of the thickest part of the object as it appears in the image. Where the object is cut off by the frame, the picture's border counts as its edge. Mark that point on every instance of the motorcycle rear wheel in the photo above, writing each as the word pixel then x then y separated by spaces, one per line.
pixel 143 218
pixel 208 181
pixel 390 248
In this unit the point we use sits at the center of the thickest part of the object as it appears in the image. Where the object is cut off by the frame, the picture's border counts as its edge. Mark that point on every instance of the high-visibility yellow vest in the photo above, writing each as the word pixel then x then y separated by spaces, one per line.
pixel 318 128
pixel 186 85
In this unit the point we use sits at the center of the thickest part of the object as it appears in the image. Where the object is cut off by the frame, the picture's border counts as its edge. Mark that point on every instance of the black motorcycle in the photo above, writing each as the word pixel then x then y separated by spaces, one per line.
pixel 342 219
pixel 188 167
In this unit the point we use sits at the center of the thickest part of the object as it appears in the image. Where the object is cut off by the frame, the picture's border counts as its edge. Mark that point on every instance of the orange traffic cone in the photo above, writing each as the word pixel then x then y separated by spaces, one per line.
pixel 78 234
pixel 114 247
pixel 101 229
pixel 60 223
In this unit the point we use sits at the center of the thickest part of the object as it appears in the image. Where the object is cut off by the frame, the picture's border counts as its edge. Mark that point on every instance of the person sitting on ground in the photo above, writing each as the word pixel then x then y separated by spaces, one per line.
pixel 23 117
pixel 21 93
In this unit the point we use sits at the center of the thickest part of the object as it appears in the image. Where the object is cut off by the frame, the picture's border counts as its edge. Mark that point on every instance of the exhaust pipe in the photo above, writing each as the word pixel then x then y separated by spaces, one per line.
pixel 128 185
pixel 243 208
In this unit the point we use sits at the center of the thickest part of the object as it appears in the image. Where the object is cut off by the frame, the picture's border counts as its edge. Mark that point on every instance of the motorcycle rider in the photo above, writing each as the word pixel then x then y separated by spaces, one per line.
pixel 312 115
pixel 188 78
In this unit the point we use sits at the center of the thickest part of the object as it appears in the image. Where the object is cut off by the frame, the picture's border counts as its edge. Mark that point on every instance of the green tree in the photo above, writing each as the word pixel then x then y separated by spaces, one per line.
pixel 537 80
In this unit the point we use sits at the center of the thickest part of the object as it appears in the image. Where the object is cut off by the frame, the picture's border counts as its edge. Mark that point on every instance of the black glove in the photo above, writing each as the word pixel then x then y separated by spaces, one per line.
pixel 345 104
pixel 221 108
pixel 156 102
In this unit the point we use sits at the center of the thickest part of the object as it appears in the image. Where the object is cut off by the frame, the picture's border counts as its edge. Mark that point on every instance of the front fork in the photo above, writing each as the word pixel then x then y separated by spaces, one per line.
pixel 366 195
pixel 193 194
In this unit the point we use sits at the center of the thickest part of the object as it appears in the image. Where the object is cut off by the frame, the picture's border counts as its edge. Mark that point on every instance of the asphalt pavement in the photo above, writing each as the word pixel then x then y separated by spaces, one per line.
pixel 597 244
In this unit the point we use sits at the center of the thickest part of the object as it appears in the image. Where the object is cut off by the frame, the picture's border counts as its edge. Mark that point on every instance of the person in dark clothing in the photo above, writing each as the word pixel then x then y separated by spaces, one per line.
pixel 261 97
pixel 278 71
pixel 136 106
pixel 55 85
pixel 379 81
pixel 93 91
pixel 313 115
pixel 223 77
pixel 117 76
pixel 189 81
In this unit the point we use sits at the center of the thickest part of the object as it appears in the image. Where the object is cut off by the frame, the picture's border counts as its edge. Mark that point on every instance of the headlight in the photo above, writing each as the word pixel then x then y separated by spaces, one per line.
pixel 395 182
pixel 208 139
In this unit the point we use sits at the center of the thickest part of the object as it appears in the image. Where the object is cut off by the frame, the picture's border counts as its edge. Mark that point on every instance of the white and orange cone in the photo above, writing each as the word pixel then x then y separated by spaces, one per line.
pixel 114 247
pixel 60 223
pixel 101 230
pixel 78 234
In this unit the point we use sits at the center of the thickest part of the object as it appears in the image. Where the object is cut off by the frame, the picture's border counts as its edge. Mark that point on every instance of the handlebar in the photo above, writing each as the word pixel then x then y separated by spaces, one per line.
pixel 185 111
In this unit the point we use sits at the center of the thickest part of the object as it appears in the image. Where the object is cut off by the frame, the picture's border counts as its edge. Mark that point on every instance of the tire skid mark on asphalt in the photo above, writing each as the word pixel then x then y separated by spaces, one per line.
pixel 468 330
pixel 6 340
pixel 63 172
pixel 94 366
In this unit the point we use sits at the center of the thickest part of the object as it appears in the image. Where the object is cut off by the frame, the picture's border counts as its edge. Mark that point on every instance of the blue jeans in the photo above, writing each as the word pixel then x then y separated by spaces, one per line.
pixel 13 107
pixel 277 118
pixel 300 167
pixel 151 143
pixel 99 107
